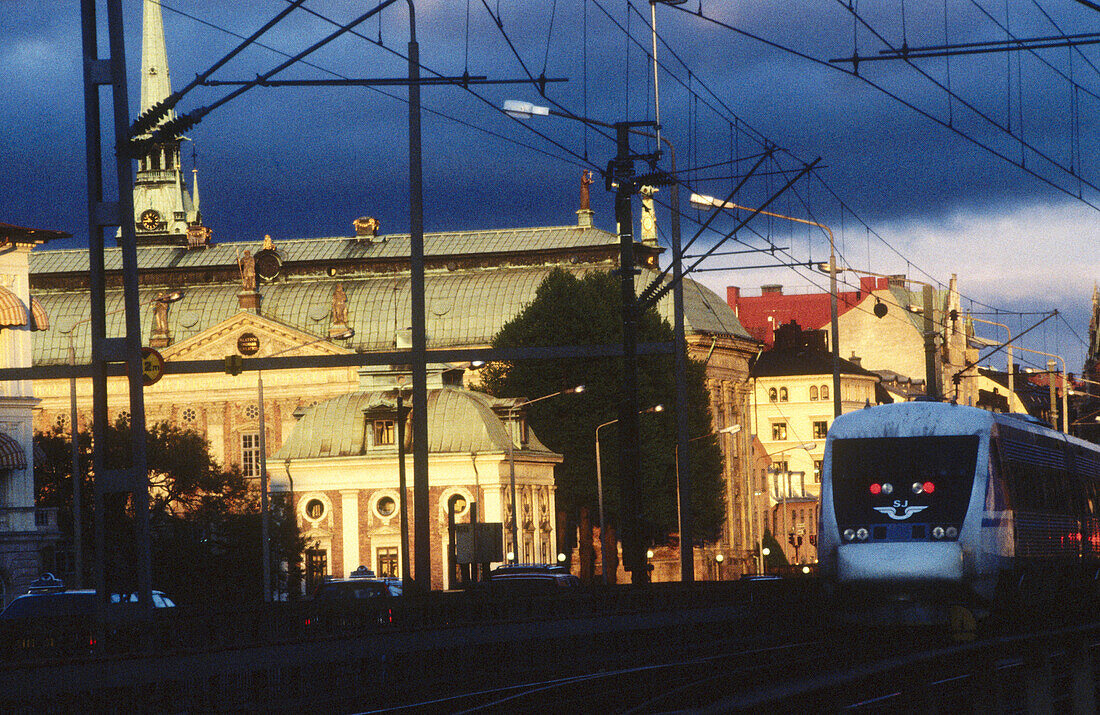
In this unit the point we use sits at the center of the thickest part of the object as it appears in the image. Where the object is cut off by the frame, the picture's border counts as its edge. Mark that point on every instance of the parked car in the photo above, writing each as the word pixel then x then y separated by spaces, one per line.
pixel 360 601
pixel 531 579
pixel 50 620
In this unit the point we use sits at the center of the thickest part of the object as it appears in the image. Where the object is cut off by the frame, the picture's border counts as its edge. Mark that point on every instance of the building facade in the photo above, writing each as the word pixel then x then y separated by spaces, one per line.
pixel 340 295
pixel 792 410
pixel 28 534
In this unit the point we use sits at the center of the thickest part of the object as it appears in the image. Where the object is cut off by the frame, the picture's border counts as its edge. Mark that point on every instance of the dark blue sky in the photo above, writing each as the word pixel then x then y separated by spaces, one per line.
pixel 921 199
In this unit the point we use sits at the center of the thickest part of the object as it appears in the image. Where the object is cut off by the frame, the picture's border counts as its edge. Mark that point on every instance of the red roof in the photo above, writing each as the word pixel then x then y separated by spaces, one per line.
pixel 762 314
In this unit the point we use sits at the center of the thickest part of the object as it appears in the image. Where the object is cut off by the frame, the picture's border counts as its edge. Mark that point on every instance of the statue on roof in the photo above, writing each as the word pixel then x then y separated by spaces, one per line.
pixel 586 201
pixel 339 305
pixel 160 315
pixel 247 265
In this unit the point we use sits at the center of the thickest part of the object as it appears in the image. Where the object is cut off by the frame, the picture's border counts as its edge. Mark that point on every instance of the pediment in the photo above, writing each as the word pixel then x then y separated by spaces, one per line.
pixel 272 337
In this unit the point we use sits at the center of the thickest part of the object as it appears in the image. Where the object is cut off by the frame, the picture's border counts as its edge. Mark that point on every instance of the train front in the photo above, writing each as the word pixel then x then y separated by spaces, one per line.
pixel 898 485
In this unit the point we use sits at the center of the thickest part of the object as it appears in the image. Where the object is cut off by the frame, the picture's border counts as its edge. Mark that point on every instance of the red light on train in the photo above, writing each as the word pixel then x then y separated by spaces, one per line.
pixel 876 488
pixel 929 487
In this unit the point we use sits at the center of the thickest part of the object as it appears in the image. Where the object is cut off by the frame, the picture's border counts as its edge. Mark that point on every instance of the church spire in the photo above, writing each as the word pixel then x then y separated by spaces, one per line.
pixel 156 85
pixel 164 212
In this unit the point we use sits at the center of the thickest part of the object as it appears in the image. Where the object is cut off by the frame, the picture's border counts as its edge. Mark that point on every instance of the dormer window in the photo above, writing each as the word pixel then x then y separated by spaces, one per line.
pixel 384 433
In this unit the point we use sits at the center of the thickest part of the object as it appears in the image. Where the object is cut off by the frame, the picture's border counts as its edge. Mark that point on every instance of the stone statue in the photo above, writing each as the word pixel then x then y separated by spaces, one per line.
pixel 160 315
pixel 339 305
pixel 248 270
pixel 586 179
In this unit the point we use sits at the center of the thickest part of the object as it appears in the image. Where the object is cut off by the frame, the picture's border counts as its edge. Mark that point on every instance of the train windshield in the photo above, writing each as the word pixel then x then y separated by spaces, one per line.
pixel 901 488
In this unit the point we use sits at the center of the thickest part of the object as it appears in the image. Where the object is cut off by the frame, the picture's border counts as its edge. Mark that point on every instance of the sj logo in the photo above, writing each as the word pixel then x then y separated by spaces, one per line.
pixel 901 510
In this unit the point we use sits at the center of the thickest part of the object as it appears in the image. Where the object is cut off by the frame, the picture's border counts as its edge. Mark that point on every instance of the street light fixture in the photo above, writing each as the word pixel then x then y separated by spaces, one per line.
pixel 604 547
pixel 265 517
pixel 709 202
pixel 621 176
pixel 78 524
pixel 513 555
pixel 732 429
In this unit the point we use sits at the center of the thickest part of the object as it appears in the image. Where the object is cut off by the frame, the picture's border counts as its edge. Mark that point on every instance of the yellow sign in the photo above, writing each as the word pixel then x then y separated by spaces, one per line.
pixel 152 366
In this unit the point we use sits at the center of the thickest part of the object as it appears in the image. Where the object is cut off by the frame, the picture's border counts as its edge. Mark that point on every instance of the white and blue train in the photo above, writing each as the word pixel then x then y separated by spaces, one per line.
pixel 933 507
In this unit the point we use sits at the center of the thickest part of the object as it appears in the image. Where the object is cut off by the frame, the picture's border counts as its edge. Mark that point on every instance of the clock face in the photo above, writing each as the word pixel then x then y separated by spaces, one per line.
pixel 150 219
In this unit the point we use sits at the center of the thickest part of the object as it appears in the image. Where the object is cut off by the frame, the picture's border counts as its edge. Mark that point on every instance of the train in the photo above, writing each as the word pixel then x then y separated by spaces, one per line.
pixel 938 513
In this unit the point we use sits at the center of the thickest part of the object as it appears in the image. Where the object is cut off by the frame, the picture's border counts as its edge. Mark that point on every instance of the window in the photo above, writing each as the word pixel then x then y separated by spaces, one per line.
pixel 779 431
pixel 818 466
pixel 782 394
pixel 813 392
pixel 383 433
pixel 821 428
pixel 386 506
pixel 387 561
pixel 189 415
pixel 315 508
pixel 250 455
pixel 252 412
pixel 824 392
pixel 772 394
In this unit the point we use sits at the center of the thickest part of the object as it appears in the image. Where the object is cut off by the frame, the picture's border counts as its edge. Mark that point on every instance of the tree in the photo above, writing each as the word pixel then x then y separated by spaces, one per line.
pixel 568 310
pixel 204 520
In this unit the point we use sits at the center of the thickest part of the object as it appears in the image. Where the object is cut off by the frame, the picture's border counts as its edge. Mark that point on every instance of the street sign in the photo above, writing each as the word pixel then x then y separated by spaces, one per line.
pixel 152 366
pixel 479 543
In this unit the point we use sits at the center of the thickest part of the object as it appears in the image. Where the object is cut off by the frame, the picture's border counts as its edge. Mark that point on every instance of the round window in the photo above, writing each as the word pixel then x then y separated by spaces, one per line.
pixel 189 415
pixel 315 508
pixel 251 412
pixel 386 506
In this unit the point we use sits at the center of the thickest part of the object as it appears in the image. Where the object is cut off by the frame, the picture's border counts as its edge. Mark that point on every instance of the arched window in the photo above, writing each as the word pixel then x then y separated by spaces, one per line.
pixel 813 392
pixel 772 394
pixel 824 392
pixel 782 394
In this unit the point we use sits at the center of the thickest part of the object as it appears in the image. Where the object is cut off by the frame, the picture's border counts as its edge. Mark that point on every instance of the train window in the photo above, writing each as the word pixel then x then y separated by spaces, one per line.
pixel 948 462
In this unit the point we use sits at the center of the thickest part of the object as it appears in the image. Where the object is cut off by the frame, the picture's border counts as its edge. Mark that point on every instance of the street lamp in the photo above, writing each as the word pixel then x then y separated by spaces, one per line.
pixel 513 555
pixel 78 540
pixel 604 547
pixel 621 176
pixel 265 517
pixel 701 201
pixel 732 429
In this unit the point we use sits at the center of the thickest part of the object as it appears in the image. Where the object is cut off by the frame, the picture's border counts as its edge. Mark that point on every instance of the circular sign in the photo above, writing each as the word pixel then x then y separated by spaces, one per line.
pixel 152 366
pixel 248 344
pixel 268 264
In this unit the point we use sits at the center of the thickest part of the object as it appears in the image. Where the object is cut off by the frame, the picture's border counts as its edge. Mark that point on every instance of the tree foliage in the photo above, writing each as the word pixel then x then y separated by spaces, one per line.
pixel 204 520
pixel 568 310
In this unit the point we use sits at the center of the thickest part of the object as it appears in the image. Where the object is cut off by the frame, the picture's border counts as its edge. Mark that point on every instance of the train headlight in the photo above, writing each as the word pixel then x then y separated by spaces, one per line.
pixel 887 488
pixel 918 487
pixel 951 532
pixel 937 532
pixel 861 534
pixel 849 534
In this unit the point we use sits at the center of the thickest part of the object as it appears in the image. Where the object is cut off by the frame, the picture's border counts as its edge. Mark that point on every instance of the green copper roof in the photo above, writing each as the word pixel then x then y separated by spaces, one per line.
pixel 459 421
pixel 466 304
pixel 339 248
